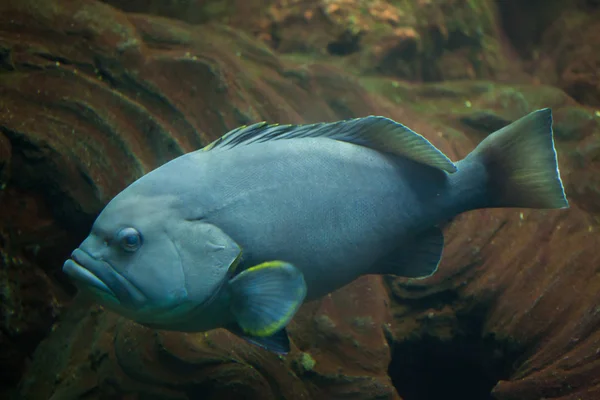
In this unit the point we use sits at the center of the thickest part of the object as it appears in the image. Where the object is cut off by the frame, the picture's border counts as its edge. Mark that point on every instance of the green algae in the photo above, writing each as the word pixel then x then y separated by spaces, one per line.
pixel 307 362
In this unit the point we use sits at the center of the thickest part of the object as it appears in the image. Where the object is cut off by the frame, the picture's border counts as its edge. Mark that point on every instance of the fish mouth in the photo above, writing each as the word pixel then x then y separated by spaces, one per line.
pixel 82 275
pixel 100 275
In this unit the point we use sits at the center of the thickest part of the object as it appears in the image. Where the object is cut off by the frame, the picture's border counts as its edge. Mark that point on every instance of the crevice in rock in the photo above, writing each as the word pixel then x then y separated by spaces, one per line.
pixel 458 39
pixel 346 44
pixel 5 61
pixel 524 22
pixel 400 60
pixel 466 366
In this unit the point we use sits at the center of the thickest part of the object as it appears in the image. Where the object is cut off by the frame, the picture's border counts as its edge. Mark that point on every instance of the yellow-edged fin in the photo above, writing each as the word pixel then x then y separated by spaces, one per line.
pixel 379 133
pixel 266 297
pixel 234 265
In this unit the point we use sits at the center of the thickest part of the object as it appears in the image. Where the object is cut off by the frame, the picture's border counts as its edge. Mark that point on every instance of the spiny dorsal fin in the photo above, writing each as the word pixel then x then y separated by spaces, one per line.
pixel 379 133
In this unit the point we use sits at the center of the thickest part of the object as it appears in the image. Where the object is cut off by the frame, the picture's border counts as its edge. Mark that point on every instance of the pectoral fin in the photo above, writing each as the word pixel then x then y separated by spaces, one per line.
pixel 264 298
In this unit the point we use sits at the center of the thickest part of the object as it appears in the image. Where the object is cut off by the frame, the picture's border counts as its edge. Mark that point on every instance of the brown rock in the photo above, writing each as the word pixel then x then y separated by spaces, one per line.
pixel 573 42
pixel 29 303
pixel 410 39
pixel 115 95
pixel 92 348
pixel 237 12
pixel 5 154
pixel 537 302
pixel 560 42
pixel 524 22
pixel 516 297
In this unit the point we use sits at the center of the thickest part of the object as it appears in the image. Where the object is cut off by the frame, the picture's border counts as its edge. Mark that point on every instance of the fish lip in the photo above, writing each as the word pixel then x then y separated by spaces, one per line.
pixel 85 268
pixel 81 274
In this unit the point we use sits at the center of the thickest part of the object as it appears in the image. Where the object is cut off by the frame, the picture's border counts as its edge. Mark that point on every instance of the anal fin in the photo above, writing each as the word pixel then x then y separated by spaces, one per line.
pixel 416 258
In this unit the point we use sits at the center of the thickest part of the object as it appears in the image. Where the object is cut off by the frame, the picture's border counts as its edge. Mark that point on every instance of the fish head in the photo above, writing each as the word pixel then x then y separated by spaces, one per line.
pixel 144 260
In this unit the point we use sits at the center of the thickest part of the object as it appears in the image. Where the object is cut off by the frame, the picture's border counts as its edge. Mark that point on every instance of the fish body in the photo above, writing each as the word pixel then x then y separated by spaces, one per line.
pixel 238 234
pixel 332 209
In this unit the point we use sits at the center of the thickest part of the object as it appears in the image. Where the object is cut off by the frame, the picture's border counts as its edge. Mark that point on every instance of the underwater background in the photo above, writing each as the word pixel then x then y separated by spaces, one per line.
pixel 94 94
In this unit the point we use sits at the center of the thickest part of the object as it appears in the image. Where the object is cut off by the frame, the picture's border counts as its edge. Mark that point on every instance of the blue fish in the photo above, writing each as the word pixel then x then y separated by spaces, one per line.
pixel 239 234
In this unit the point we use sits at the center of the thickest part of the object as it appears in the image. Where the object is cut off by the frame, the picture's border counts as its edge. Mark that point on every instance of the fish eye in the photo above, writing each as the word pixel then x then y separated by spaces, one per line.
pixel 129 239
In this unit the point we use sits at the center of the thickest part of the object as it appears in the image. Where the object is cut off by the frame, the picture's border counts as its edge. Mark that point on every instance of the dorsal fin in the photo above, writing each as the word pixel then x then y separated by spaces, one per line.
pixel 379 133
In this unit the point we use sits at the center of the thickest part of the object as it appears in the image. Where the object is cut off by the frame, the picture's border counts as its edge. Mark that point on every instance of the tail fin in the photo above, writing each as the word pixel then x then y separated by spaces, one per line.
pixel 521 166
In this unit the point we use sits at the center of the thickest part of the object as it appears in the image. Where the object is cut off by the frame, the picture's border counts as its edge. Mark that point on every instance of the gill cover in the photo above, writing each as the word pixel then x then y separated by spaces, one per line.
pixel 207 254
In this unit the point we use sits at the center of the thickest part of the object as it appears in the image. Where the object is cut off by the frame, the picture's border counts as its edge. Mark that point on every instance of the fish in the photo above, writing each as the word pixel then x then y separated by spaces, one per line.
pixel 242 232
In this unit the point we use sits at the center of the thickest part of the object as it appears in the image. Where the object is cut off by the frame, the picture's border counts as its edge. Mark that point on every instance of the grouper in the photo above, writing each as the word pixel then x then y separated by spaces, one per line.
pixel 238 234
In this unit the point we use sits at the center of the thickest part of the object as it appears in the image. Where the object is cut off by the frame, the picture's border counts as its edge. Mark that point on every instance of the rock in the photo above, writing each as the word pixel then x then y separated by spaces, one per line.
pixel 5 154
pixel 537 307
pixel 29 303
pixel 114 96
pixel 513 308
pixel 516 297
pixel 92 348
pixel 410 39
pixel 524 22
pixel 573 43
pixel 237 12
pixel 575 123
pixel 560 43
